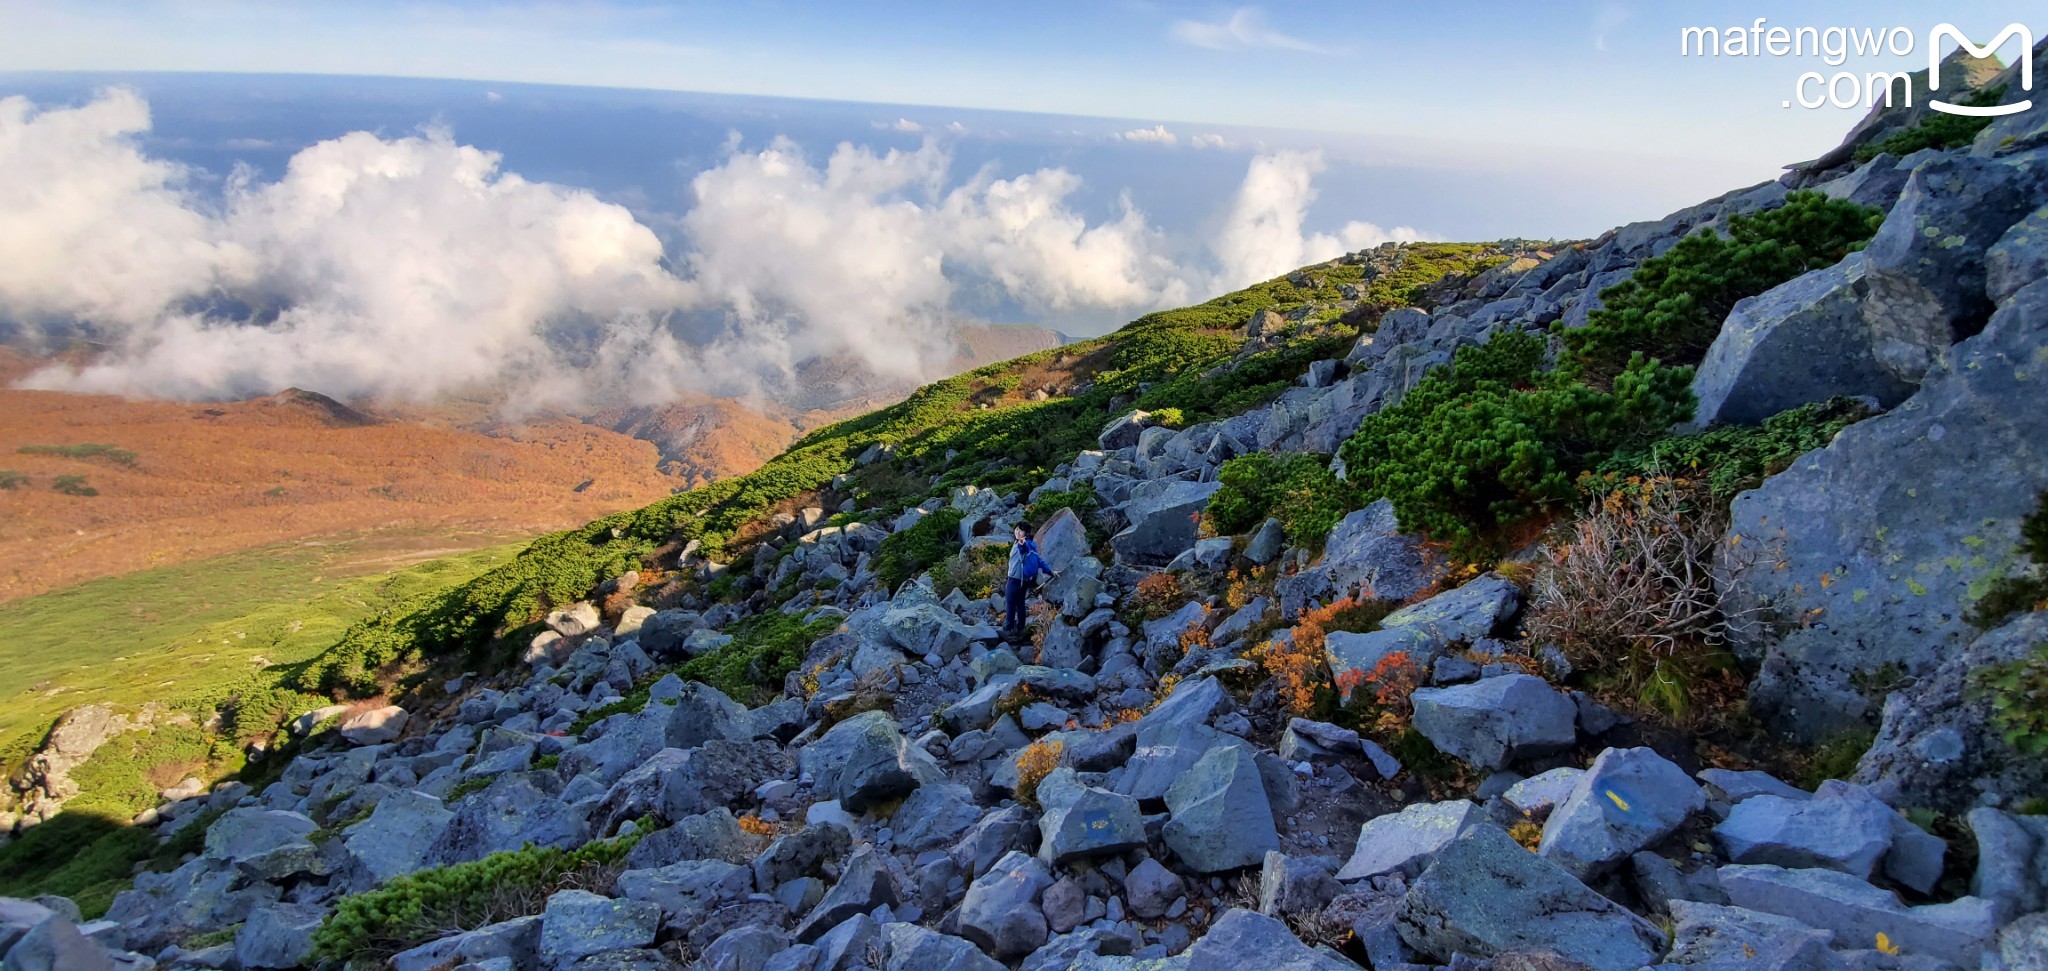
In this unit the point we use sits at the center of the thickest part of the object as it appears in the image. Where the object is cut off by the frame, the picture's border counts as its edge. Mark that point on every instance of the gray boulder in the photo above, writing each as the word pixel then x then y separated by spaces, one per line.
pixel 1800 342
pixel 2012 861
pixel 510 941
pixel 1150 889
pixel 934 816
pixel 1712 937
pixel 1243 939
pixel 246 833
pixel 715 835
pixel 395 839
pixel 2018 258
pixel 1294 885
pixel 1001 912
pixel 1164 515
pixel 1936 746
pixel 1925 267
pixel 1843 827
pixel 1080 821
pixel 717 773
pixel 374 727
pixel 913 948
pixel 703 713
pixel 1494 721
pixel 689 890
pixel 1857 912
pixel 1628 800
pixel 578 923
pixel 278 936
pixel 1406 841
pixel 1122 432
pixel 516 809
pixel 1882 536
pixel 1484 894
pixel 865 759
pixel 1062 540
pixel 865 883
pixel 1265 545
pixel 745 948
pixel 1365 552
pixel 55 944
pixel 1220 818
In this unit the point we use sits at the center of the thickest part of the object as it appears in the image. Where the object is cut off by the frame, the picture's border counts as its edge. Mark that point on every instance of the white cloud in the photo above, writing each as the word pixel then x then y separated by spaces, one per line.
pixel 901 124
pixel 406 268
pixel 1157 134
pixel 1262 234
pixel 1244 28
pixel 1209 140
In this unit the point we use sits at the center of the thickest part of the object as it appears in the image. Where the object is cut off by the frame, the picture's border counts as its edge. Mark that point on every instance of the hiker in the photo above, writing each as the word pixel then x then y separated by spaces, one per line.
pixel 1025 564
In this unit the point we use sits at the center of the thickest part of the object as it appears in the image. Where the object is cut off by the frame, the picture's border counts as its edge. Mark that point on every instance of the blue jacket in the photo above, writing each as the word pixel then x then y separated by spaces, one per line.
pixel 1025 562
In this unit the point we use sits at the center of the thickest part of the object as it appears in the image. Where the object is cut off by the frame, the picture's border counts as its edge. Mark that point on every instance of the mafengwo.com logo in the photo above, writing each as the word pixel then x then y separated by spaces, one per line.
pixel 1848 89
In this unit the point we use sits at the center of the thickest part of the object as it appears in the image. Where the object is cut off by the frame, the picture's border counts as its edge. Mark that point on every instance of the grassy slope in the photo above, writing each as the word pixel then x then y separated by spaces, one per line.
pixel 180 634
pixel 977 428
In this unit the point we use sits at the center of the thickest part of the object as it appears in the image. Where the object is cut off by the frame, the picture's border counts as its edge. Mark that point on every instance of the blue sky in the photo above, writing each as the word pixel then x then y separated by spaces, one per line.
pixel 1600 77
pixel 237 196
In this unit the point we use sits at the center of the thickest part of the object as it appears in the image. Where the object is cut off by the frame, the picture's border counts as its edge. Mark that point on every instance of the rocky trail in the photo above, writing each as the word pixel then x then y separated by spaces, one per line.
pixel 1132 787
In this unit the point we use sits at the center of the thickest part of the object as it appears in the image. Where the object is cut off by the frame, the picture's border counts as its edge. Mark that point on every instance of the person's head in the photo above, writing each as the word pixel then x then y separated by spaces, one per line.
pixel 1018 532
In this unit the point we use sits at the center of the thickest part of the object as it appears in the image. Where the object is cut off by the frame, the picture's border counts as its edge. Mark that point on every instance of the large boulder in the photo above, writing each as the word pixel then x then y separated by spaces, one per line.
pixel 1716 937
pixel 1937 746
pixel 515 809
pixel 1925 267
pixel 1878 543
pixel 1062 540
pixel 1164 515
pixel 1842 827
pixel 864 760
pixel 1406 841
pixel 1857 912
pixel 395 839
pixel 577 924
pixel 1423 631
pixel 278 936
pixel 702 713
pixel 1494 721
pixel 717 773
pixel 1220 818
pixel 1628 800
pixel 689 890
pixel 374 727
pixel 1244 939
pixel 866 882
pixel 1001 911
pixel 1365 555
pixel 1081 821
pixel 1123 432
pixel 914 948
pixel 1802 341
pixel 1485 894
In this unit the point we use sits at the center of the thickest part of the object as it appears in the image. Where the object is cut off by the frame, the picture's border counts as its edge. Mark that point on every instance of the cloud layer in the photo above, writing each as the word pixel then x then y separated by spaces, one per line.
pixel 1244 28
pixel 407 268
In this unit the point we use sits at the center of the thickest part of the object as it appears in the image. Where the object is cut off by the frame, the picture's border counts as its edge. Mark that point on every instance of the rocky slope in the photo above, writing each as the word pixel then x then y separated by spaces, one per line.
pixel 791 743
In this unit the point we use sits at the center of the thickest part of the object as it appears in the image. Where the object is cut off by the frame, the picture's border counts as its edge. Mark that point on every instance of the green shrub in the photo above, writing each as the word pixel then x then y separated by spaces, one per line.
pixel 1729 458
pixel 2027 588
pixel 910 552
pixel 1297 488
pixel 1489 439
pixel 84 450
pixel 73 485
pixel 1836 756
pixel 1672 306
pixel 10 479
pixel 2018 693
pixel 974 572
pixel 425 904
pixel 765 648
pixel 86 855
pixel 1081 499
pixel 1938 130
